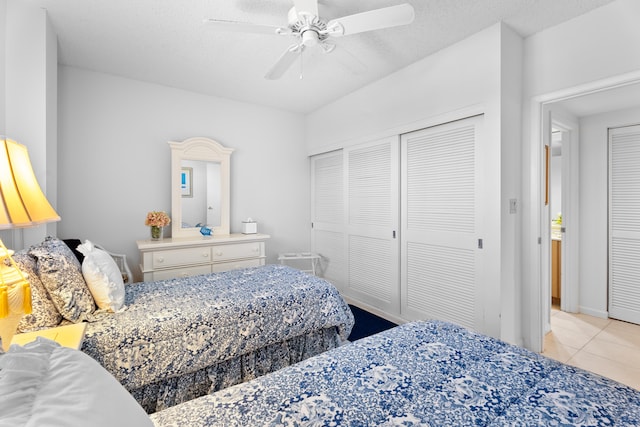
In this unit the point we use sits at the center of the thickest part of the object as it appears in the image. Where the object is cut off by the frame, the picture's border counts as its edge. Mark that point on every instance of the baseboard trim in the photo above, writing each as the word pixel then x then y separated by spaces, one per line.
pixel 593 312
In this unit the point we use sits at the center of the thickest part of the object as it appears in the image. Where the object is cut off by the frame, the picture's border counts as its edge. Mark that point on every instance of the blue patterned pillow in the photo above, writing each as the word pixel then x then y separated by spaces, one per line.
pixel 60 273
pixel 44 313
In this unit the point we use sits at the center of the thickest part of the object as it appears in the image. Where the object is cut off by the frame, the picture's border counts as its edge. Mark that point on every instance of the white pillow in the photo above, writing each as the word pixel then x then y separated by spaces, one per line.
pixel 43 384
pixel 103 277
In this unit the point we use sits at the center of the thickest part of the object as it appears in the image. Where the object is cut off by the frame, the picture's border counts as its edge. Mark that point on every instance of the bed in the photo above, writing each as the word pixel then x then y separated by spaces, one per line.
pixel 422 373
pixel 178 339
pixel 417 374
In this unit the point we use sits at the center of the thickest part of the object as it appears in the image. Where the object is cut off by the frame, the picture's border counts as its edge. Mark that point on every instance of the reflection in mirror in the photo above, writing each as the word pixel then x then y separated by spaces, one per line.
pixel 200 175
pixel 200 185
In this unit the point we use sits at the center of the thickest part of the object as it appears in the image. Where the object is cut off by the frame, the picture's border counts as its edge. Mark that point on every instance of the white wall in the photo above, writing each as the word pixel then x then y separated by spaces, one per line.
pixel 461 76
pixel 474 76
pixel 594 206
pixel 593 46
pixel 3 28
pixel 51 123
pixel 596 46
pixel 30 98
pixel 510 183
pixel 114 160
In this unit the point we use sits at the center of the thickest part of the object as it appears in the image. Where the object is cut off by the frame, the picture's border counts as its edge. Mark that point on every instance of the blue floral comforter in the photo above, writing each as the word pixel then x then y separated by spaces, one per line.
pixel 418 374
pixel 178 326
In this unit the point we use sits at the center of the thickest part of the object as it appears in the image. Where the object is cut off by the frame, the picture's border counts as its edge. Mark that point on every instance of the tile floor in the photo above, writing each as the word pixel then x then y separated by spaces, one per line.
pixel 605 346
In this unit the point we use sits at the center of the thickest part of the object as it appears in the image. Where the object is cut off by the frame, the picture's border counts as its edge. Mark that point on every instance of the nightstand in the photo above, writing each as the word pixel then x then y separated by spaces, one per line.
pixel 67 335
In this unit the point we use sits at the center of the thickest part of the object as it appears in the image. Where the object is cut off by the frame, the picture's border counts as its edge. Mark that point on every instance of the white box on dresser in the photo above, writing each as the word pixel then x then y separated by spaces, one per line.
pixel 188 256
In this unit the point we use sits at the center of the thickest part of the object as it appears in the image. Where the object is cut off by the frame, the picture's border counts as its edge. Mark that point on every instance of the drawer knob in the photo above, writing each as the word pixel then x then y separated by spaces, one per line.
pixel 256 249
pixel 160 259
pixel 219 253
pixel 205 254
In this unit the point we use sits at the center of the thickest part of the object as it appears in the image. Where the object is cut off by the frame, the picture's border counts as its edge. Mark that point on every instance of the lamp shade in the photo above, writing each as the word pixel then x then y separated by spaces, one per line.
pixel 22 202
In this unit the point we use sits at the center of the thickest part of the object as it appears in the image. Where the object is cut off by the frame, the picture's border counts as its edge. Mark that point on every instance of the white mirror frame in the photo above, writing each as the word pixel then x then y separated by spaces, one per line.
pixel 199 148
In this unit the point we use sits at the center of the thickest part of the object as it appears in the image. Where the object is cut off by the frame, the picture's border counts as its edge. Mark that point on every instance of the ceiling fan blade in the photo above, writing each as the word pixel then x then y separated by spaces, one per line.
pixel 285 61
pixel 306 6
pixel 349 61
pixel 241 27
pixel 372 20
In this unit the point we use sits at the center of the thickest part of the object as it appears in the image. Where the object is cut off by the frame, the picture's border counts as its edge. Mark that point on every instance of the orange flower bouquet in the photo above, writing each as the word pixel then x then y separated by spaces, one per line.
pixel 156 220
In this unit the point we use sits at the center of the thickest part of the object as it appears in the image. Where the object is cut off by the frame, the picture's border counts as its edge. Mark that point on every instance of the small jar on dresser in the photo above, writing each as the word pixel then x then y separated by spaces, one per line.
pixel 188 256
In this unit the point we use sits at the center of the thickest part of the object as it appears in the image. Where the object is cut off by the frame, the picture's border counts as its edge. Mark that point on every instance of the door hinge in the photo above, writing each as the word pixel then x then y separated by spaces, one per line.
pixel 311 225
pixel 479 243
pixel 394 234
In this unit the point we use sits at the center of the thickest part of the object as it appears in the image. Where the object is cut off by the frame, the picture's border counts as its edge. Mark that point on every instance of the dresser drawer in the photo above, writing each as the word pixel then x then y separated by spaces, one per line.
pixel 179 257
pixel 234 265
pixel 181 272
pixel 237 251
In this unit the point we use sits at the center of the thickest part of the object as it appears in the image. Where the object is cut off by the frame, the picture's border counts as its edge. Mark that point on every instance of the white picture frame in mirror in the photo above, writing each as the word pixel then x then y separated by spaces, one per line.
pixel 215 157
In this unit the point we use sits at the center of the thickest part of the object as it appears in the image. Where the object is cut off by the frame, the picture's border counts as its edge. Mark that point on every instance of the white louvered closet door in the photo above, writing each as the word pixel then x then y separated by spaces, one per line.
pixel 372 184
pixel 624 223
pixel 327 215
pixel 439 246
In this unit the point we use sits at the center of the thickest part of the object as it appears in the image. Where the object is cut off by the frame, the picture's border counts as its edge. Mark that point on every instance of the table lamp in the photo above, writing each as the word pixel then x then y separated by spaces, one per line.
pixel 22 204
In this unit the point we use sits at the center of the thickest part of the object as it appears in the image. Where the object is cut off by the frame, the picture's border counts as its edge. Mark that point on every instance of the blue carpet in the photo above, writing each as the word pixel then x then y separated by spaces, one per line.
pixel 367 324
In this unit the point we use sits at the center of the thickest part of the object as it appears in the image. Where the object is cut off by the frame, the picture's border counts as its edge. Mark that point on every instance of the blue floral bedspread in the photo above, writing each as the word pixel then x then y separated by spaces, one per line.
pixel 418 374
pixel 178 326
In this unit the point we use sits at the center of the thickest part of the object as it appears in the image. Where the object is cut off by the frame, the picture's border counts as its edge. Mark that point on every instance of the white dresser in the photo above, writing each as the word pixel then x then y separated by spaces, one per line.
pixel 188 256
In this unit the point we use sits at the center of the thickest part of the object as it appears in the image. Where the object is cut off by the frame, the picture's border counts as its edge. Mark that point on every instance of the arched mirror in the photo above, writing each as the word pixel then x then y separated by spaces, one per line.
pixel 200 184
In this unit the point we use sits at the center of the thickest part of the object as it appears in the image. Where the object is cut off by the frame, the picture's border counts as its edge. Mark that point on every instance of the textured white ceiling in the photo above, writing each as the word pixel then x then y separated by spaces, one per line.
pixel 166 42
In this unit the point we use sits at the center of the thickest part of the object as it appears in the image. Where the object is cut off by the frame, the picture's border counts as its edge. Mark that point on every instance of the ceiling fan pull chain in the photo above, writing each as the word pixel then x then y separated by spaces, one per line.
pixel 301 66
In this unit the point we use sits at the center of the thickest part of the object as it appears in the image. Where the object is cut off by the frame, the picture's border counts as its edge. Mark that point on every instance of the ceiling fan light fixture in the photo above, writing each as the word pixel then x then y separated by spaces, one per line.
pixel 310 38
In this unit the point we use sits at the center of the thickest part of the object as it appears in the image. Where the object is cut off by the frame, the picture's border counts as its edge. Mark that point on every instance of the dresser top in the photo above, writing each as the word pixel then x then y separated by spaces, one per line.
pixel 177 242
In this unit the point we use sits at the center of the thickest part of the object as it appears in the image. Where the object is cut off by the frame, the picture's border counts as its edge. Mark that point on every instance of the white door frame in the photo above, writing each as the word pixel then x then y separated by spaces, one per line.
pixel 569 300
pixel 533 292
pixel 545 218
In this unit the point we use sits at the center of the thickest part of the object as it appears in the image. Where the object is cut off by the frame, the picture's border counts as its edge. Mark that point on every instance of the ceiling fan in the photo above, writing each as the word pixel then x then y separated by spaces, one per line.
pixel 309 30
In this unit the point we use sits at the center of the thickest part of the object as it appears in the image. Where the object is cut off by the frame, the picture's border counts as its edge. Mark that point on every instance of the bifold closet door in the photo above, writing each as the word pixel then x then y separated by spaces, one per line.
pixel 372 218
pixel 327 215
pixel 624 223
pixel 440 246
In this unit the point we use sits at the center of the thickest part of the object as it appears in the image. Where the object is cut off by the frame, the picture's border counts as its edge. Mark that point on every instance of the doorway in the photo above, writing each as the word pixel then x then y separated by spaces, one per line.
pixel 559 271
pixel 609 95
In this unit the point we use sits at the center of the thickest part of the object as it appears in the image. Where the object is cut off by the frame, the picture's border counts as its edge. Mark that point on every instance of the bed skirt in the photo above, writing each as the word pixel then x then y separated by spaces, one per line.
pixel 171 391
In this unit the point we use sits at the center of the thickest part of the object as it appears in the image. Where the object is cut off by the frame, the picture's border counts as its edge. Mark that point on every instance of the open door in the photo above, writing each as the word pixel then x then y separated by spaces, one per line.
pixel 567 131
